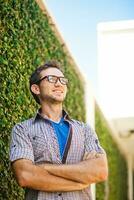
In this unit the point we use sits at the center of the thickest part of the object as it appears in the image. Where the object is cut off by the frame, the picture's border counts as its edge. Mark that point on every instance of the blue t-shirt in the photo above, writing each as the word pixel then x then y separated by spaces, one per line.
pixel 61 130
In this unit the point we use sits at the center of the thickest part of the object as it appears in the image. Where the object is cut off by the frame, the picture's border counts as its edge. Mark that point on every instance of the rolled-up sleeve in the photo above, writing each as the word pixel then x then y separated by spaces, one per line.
pixel 91 140
pixel 20 146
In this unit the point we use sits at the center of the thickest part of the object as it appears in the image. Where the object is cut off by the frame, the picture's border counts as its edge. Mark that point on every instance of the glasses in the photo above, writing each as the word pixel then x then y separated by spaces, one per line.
pixel 54 79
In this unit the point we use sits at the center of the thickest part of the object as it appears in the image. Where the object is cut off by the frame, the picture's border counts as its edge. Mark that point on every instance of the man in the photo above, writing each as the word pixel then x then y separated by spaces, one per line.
pixel 54 156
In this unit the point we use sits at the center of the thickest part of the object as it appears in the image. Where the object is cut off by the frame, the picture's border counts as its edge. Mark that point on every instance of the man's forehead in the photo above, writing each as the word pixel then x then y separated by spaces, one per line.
pixel 52 71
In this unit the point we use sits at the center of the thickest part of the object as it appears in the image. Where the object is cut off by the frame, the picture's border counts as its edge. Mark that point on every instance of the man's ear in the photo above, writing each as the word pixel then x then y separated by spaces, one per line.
pixel 35 89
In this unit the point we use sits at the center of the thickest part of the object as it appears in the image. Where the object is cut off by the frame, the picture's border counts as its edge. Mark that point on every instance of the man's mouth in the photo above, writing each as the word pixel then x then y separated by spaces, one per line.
pixel 58 91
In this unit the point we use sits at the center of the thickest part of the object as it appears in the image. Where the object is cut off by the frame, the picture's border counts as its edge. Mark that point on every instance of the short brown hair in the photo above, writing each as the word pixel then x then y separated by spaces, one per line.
pixel 35 77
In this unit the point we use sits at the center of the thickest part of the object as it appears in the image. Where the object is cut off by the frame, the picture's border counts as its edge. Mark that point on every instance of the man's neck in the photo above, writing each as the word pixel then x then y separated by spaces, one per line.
pixel 52 111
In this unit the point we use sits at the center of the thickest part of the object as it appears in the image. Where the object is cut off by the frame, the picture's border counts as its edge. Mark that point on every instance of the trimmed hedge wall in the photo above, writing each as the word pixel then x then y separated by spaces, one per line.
pixel 26 41
pixel 116 187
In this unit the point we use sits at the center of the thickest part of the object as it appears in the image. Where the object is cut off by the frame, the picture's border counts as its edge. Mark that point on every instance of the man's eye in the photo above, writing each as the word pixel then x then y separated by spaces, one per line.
pixel 52 79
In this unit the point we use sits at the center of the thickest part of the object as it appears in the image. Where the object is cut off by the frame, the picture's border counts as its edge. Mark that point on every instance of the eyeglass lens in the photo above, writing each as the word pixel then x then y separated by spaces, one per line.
pixel 54 79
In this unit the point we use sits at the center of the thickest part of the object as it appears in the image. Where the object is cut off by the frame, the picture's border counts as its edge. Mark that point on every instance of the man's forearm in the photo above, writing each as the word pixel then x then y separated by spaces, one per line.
pixel 31 176
pixel 52 183
pixel 87 171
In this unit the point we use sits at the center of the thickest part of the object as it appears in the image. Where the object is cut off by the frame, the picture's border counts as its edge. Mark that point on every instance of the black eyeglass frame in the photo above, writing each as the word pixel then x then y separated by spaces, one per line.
pixel 58 78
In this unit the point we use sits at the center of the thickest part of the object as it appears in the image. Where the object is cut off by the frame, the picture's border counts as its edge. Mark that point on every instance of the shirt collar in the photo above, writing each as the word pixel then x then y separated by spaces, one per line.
pixel 38 116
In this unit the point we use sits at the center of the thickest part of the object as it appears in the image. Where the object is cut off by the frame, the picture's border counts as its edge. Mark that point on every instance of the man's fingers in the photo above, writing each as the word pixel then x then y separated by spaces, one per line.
pixel 85 156
pixel 91 155
pixel 88 155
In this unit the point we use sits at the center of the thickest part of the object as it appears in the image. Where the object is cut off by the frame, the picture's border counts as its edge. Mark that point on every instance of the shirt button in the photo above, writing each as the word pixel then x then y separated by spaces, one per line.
pixel 96 141
pixel 61 124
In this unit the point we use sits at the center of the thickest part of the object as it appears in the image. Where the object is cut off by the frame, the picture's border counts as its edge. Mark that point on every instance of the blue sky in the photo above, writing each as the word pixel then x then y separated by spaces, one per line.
pixel 77 22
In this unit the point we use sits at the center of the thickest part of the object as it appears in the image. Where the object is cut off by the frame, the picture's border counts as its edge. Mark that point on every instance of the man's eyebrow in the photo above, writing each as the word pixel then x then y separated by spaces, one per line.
pixel 53 75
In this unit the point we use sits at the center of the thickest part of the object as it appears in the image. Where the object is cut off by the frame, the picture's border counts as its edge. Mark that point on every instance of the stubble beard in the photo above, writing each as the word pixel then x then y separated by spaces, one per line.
pixel 52 99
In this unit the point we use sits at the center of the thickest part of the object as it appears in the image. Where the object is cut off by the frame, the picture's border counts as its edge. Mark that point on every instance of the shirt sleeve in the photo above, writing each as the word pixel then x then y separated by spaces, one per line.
pixel 20 146
pixel 91 140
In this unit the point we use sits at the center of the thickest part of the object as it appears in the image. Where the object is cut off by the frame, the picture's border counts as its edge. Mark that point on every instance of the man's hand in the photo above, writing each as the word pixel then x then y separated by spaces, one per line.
pixel 91 155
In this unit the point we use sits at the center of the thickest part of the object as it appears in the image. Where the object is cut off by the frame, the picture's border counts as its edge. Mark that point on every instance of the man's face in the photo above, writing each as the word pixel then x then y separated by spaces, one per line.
pixel 52 92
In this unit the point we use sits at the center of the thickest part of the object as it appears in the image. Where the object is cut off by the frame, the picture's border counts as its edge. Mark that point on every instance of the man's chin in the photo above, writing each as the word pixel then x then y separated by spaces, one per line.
pixel 56 100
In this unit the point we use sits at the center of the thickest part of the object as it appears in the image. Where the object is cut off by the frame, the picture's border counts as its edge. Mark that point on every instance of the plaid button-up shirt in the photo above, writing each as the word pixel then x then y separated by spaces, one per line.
pixel 35 139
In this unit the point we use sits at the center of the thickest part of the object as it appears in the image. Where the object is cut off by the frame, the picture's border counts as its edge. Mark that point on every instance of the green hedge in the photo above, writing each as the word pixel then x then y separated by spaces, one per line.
pixel 116 186
pixel 26 41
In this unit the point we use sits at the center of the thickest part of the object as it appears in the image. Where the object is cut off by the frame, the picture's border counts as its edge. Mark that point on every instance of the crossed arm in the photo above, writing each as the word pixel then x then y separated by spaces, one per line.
pixel 92 169
pixel 32 176
pixel 66 177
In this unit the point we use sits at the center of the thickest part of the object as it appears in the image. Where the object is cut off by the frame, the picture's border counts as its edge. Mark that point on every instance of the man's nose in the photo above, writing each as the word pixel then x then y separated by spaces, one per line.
pixel 57 82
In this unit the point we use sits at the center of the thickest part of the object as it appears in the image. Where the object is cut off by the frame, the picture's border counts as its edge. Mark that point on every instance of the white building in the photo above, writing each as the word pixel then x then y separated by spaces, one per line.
pixel 116 83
